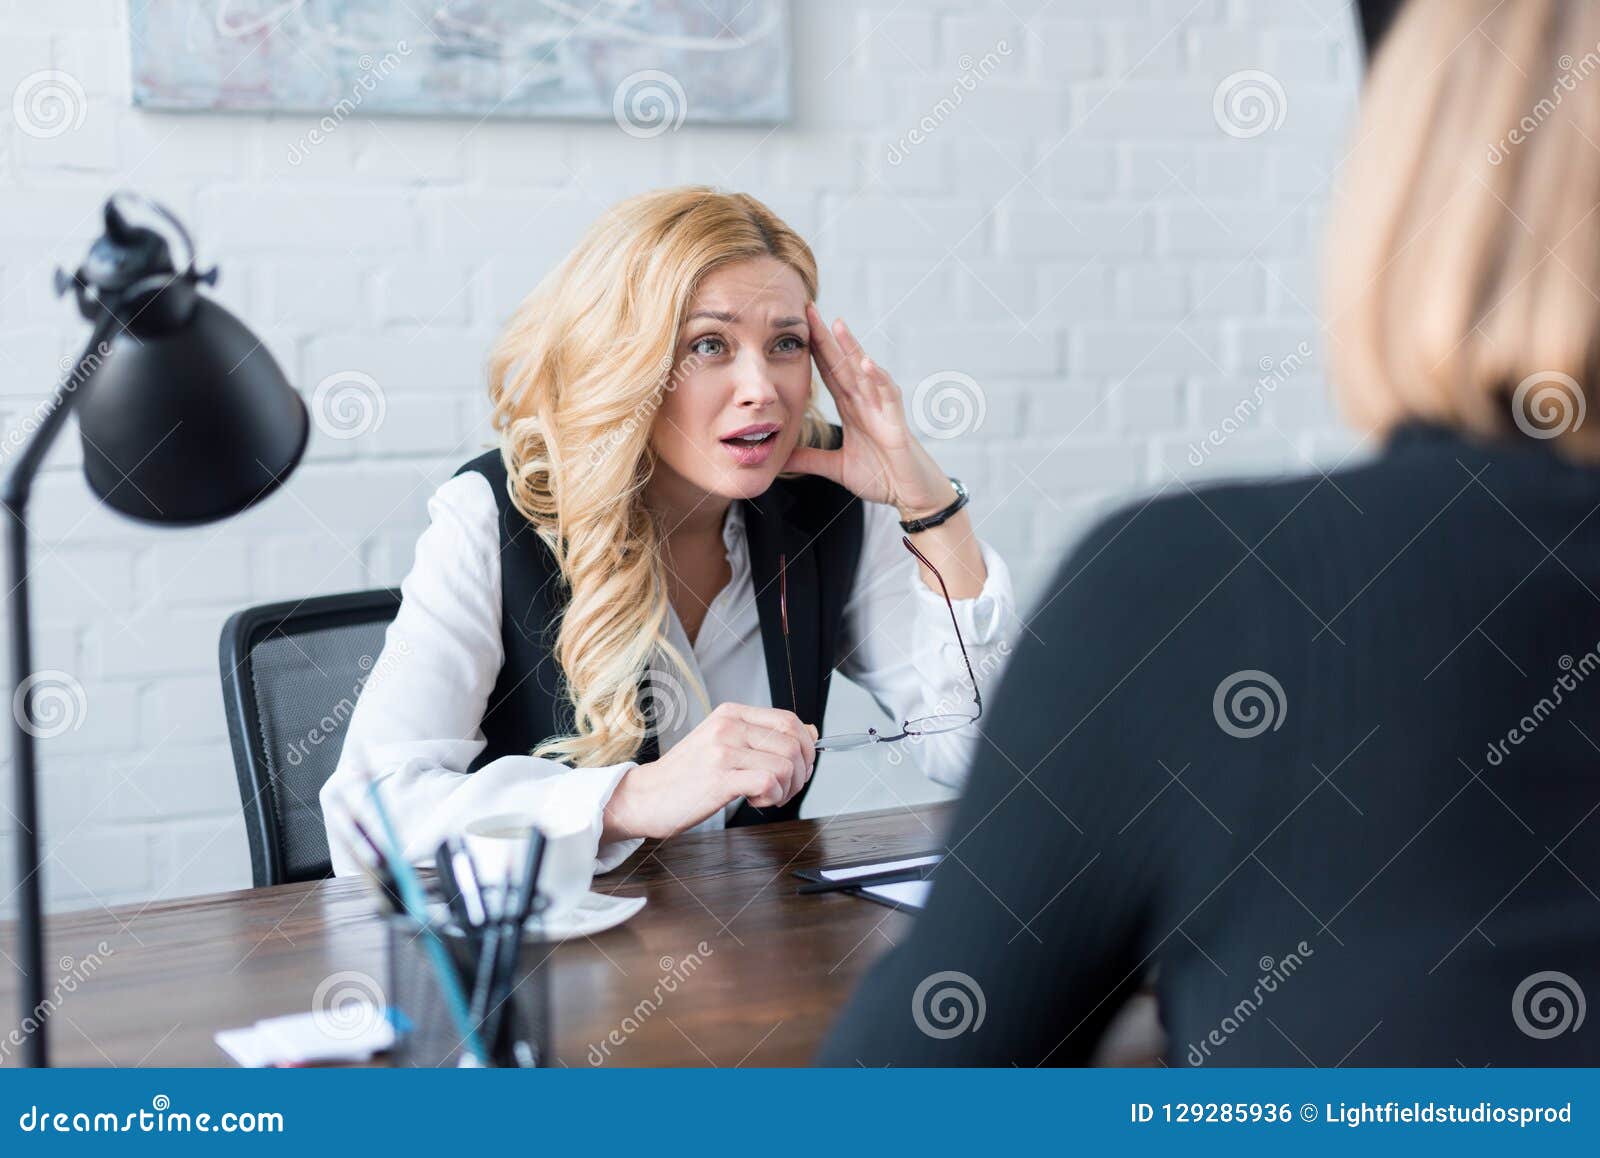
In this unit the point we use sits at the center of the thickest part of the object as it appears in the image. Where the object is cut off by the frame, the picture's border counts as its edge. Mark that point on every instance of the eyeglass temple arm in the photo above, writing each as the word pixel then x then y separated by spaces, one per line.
pixel 950 606
pixel 783 619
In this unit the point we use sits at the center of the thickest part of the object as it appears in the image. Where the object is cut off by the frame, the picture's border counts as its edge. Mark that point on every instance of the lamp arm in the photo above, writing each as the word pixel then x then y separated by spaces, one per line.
pixel 15 487
pixel 17 483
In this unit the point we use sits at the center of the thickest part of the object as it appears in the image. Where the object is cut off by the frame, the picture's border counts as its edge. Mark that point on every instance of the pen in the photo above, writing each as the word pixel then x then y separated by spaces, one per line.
pixel 455 892
pixel 489 967
pixel 377 873
pixel 361 831
pixel 466 870
pixel 416 905
pixel 514 917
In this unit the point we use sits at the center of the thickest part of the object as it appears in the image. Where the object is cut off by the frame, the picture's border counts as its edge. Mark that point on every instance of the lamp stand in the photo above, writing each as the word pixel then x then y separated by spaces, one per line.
pixel 14 491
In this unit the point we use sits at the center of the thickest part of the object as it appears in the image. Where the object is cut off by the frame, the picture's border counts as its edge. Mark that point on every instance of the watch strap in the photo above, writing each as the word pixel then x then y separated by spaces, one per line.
pixel 912 526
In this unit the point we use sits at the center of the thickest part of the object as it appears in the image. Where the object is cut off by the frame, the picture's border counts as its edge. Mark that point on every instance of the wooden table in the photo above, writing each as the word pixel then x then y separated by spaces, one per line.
pixel 774 970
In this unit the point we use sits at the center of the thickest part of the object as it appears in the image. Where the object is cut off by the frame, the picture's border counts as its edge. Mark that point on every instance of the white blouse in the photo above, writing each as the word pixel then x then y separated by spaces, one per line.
pixel 416 727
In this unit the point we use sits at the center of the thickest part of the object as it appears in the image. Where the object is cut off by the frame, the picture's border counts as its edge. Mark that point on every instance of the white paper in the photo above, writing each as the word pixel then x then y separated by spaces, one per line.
pixel 243 1046
pixel 887 866
pixel 298 1039
pixel 912 894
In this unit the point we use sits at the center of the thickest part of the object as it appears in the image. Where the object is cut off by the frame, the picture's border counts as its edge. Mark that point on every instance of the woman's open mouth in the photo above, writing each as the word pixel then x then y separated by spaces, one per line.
pixel 753 445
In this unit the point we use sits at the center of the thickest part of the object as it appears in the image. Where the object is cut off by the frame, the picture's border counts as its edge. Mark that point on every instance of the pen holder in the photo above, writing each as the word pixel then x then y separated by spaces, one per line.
pixel 516 1033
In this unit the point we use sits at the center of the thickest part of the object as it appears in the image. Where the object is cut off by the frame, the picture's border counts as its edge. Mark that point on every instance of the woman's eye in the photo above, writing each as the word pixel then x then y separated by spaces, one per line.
pixel 790 343
pixel 706 347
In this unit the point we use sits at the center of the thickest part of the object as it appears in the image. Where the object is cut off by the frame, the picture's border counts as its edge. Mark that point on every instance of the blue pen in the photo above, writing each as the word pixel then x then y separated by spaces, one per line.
pixel 416 904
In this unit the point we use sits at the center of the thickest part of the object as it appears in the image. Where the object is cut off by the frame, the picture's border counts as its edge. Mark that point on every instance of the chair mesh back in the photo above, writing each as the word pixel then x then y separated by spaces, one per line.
pixel 305 685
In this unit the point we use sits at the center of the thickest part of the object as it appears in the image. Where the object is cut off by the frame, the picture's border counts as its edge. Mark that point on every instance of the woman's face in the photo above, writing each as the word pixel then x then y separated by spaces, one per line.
pixel 733 408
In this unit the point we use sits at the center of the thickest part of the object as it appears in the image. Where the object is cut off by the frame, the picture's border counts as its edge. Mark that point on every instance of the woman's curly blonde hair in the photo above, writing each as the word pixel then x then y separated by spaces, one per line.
pixel 575 380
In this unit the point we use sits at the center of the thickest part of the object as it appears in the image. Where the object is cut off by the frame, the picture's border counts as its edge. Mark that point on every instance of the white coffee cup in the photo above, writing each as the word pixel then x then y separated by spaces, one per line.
pixel 499 845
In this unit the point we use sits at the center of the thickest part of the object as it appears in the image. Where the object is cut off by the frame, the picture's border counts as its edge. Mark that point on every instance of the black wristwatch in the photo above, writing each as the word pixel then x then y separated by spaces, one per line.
pixel 912 526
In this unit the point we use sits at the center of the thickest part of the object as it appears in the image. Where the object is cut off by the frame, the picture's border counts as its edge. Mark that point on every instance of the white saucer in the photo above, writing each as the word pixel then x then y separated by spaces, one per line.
pixel 595 914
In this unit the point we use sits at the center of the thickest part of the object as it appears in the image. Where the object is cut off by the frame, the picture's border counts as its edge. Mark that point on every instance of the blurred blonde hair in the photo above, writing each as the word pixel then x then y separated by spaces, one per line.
pixel 1466 233
pixel 575 381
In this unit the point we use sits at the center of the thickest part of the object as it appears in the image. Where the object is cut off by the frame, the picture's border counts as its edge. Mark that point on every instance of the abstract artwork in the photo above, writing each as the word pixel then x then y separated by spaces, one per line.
pixel 649 64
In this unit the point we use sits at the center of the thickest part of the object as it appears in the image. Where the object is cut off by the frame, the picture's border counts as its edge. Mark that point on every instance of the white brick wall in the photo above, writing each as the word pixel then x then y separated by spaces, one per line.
pixel 1080 236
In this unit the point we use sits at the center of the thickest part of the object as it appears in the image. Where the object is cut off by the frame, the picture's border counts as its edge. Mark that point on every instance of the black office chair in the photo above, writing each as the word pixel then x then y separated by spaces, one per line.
pixel 291 673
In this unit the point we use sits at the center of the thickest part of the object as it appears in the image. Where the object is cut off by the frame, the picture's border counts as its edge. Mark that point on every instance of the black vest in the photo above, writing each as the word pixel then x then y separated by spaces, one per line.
pixel 816 523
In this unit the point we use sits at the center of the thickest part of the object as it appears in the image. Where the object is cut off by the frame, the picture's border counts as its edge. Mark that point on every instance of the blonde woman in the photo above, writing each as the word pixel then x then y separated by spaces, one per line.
pixel 628 614
pixel 1323 754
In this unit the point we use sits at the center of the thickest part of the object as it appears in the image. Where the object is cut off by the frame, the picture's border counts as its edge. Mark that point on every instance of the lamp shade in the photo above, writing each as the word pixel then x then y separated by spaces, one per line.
pixel 189 422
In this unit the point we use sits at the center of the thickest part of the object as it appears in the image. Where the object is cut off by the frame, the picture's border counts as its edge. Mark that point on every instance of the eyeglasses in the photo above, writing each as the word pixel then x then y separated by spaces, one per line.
pixel 922 725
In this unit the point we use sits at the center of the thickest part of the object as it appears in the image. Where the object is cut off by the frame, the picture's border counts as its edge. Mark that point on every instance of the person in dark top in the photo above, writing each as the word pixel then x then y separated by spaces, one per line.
pixel 1318 760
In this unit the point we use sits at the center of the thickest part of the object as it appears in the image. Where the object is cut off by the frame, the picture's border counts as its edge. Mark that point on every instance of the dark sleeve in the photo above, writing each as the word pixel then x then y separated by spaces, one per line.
pixel 1036 920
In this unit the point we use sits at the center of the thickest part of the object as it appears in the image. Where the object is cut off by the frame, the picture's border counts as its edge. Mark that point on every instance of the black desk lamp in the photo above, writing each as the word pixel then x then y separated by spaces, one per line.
pixel 185 419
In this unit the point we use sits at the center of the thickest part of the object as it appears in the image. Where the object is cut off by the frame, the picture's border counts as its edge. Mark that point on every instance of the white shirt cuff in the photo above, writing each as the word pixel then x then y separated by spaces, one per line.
pixel 981 618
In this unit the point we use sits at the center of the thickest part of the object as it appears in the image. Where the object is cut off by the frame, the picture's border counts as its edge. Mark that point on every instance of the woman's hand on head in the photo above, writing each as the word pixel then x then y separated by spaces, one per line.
pixel 881 460
pixel 763 754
